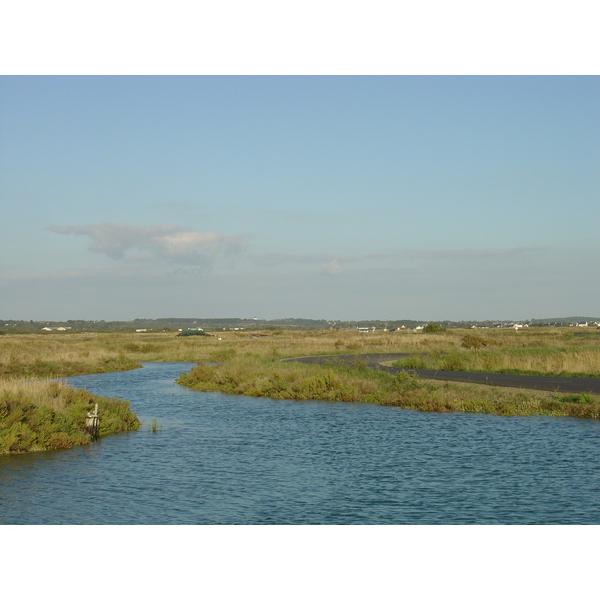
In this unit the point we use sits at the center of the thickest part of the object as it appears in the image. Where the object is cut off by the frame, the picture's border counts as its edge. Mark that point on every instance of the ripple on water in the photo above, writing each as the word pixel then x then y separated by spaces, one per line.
pixel 223 459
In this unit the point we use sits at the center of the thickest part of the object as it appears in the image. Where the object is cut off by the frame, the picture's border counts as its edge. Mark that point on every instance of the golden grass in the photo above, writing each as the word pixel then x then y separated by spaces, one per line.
pixel 253 367
pixel 544 350
pixel 550 360
pixel 255 376
pixel 41 392
pixel 49 415
pixel 35 355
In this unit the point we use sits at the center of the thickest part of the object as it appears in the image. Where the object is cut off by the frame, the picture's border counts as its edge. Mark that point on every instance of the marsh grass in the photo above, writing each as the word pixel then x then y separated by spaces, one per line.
pixel 154 427
pixel 58 356
pixel 251 365
pixel 341 382
pixel 49 415
pixel 258 376
pixel 547 350
pixel 558 361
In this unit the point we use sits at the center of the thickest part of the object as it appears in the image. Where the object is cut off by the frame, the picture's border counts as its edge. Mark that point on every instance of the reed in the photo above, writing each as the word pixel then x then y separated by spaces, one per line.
pixel 575 361
pixel 53 355
pixel 154 427
pixel 250 364
pixel 257 376
pixel 58 356
pixel 50 415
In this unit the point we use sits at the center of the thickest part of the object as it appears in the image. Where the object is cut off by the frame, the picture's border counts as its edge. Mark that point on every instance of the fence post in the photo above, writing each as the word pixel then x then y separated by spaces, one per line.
pixel 92 424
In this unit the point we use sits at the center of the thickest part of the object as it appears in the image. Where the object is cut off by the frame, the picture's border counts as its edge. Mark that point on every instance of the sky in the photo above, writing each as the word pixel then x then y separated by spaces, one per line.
pixel 325 197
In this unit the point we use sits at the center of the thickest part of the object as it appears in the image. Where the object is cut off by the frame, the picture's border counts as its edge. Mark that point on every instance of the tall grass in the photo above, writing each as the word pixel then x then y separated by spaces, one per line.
pixel 251 366
pixel 255 376
pixel 58 356
pixel 557 360
pixel 54 355
pixel 47 415
pixel 545 351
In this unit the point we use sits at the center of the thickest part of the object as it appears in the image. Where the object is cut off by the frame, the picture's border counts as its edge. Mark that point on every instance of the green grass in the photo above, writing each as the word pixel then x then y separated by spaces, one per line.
pixel 560 361
pixel 49 415
pixel 340 382
pixel 18 366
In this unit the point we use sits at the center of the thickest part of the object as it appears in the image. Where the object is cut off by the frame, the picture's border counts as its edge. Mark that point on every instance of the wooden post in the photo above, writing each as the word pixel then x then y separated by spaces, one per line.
pixel 92 424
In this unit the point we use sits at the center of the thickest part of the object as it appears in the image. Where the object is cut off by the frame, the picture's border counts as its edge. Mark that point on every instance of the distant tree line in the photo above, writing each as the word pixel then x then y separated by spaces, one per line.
pixel 176 323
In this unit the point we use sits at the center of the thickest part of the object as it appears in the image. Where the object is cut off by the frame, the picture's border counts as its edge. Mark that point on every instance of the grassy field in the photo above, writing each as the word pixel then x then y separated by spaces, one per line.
pixel 35 355
pixel 526 353
pixel 543 350
pixel 249 364
pixel 39 414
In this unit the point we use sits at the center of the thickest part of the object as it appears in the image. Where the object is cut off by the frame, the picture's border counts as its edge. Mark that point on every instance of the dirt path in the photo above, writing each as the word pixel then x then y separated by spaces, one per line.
pixel 535 382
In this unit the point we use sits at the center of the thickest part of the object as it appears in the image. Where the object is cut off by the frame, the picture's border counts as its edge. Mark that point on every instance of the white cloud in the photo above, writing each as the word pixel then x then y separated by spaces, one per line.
pixel 331 268
pixel 169 243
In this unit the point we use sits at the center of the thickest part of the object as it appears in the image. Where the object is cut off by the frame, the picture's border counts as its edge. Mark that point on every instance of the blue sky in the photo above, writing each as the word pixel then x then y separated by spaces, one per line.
pixel 396 197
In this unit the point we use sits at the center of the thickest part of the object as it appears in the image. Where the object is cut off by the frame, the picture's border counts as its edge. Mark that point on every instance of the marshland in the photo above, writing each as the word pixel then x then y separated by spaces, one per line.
pixel 38 413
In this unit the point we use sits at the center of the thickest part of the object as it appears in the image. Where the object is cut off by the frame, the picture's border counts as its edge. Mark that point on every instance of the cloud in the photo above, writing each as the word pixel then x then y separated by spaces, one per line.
pixel 331 268
pixel 169 243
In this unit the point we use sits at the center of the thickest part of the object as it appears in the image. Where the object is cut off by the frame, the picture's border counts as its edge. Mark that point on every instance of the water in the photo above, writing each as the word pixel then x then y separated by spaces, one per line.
pixel 223 459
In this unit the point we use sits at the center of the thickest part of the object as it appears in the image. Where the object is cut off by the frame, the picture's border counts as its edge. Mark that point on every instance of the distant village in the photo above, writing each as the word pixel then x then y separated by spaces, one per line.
pixel 240 324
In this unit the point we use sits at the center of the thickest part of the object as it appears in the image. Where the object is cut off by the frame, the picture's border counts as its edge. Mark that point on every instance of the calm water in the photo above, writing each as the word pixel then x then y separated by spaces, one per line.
pixel 223 459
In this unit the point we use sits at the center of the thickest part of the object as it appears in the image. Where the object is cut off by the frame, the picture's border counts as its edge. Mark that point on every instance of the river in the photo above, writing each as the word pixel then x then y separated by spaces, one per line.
pixel 223 459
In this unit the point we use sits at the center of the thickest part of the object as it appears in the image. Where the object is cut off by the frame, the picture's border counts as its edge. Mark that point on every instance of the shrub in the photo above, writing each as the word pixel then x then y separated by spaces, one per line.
pixel 473 341
pixel 414 361
pixel 222 355
pixel 453 362
pixel 433 328
pixel 582 398
pixel 49 415
pixel 406 381
pixel 353 364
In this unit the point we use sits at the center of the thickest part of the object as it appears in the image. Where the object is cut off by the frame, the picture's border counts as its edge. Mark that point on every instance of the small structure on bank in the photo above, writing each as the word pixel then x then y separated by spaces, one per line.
pixel 92 424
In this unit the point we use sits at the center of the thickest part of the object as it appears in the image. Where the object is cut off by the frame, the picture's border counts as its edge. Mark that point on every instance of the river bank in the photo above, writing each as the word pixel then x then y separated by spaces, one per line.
pixel 355 381
pixel 37 413
pixel 249 365
pixel 50 415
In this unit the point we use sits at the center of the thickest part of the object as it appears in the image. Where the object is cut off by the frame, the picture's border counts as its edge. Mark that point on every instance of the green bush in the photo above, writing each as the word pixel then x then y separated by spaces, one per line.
pixel 222 355
pixel 415 361
pixel 27 426
pixel 473 341
pixel 433 328
pixel 582 398
pixel 453 361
